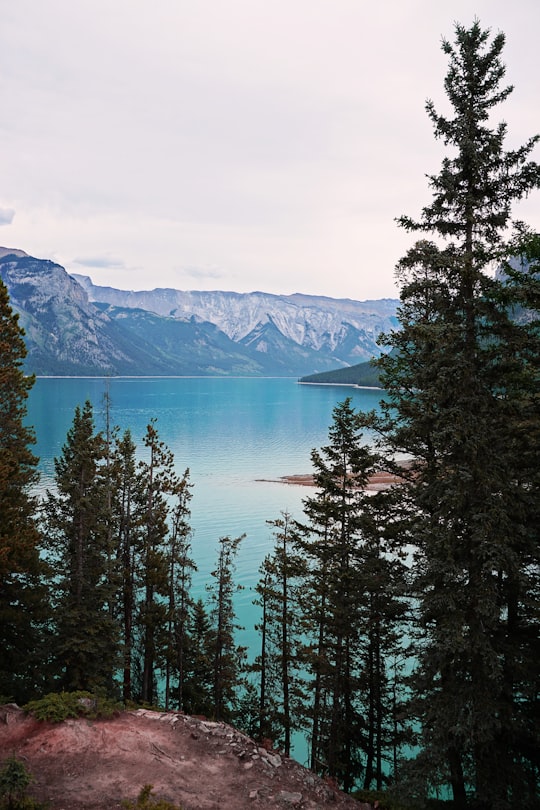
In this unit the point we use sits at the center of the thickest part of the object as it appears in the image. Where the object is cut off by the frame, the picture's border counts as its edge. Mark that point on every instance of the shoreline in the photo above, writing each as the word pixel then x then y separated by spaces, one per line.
pixel 377 482
pixel 343 385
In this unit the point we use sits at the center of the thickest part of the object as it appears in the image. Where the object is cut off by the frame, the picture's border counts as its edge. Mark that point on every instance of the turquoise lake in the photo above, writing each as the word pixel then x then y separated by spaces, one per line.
pixel 234 434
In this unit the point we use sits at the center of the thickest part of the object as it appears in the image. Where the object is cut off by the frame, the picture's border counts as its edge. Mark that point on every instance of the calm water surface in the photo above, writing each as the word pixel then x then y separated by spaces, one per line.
pixel 233 433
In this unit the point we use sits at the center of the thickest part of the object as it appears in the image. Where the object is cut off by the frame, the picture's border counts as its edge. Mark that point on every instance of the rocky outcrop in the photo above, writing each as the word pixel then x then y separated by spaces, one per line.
pixel 65 334
pixel 197 764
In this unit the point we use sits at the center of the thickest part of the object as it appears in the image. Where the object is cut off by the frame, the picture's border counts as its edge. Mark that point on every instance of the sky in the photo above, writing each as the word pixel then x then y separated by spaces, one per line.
pixel 235 144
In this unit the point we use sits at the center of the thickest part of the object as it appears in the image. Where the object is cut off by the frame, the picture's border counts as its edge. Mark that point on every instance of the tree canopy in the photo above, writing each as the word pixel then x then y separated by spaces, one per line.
pixel 462 402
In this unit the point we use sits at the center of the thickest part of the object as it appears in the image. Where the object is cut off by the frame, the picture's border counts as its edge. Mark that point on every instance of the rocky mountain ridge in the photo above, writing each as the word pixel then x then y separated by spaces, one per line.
pixel 76 328
pixel 316 322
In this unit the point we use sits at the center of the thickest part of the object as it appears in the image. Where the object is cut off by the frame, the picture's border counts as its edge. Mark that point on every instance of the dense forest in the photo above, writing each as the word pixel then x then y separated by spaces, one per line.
pixel 399 631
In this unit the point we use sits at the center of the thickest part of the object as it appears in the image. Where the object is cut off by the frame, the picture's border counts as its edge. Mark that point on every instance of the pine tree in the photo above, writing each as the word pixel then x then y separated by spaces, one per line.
pixel 199 664
pixel 126 518
pixel 156 480
pixel 76 524
pixel 382 579
pixel 228 658
pixel 151 531
pixel 21 588
pixel 110 484
pixel 179 599
pixel 462 392
pixel 267 707
pixel 277 664
pixel 334 542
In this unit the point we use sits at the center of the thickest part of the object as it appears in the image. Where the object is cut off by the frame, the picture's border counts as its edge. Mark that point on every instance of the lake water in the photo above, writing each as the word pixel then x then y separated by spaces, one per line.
pixel 233 433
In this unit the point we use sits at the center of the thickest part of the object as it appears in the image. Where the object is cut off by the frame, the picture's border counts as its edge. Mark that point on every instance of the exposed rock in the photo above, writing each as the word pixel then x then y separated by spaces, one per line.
pixel 74 327
pixel 197 764
pixel 342 327
pixel 287 797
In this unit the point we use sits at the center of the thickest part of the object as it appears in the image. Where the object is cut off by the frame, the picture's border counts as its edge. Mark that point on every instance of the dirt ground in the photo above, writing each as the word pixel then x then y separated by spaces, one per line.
pixel 194 763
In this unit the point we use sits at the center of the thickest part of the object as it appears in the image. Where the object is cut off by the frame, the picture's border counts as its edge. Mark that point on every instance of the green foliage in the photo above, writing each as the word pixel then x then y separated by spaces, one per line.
pixel 227 657
pixel 176 640
pixel 118 537
pixel 351 608
pixel 463 402
pixel 59 706
pixel 76 521
pixel 278 664
pixel 146 801
pixel 23 606
pixel 15 779
pixel 156 479
pixel 199 665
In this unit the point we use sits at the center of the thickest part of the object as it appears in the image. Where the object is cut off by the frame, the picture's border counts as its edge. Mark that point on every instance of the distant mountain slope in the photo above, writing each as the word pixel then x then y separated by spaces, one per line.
pixel 64 333
pixel 184 347
pixel 75 328
pixel 11 252
pixel 342 329
pixel 361 374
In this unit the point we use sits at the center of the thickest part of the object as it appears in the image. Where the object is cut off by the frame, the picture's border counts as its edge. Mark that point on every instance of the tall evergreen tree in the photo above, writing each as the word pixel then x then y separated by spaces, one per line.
pixel 76 524
pixel 146 512
pixel 21 587
pixel 228 657
pixel 462 395
pixel 127 518
pixel 199 663
pixel 157 479
pixel 382 579
pixel 342 604
pixel 278 662
pixel 111 484
pixel 179 599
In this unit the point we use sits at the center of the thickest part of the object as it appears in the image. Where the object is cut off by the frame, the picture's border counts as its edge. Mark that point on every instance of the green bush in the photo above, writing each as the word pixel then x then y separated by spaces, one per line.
pixel 146 801
pixel 56 707
pixel 14 781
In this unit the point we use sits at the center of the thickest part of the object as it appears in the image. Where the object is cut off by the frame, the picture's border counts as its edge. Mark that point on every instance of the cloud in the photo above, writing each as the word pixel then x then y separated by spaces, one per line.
pixel 203 272
pixel 6 216
pixel 100 262
pixel 242 144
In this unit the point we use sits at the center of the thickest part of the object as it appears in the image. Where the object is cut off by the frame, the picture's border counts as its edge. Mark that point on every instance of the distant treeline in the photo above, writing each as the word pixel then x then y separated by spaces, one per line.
pixel 362 374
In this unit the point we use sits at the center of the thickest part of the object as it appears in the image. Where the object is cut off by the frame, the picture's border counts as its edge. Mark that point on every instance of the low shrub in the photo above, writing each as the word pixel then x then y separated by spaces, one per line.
pixel 147 801
pixel 59 706
pixel 15 779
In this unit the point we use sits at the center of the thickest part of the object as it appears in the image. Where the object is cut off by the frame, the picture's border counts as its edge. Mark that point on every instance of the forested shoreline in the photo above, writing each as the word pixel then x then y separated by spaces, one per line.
pixel 399 630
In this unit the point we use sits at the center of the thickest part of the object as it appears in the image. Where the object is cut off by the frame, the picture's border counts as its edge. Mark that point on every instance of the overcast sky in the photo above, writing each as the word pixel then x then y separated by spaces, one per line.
pixel 235 144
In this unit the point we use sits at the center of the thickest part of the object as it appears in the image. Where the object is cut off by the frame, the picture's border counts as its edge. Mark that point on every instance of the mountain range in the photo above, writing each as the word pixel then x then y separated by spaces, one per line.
pixel 76 328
